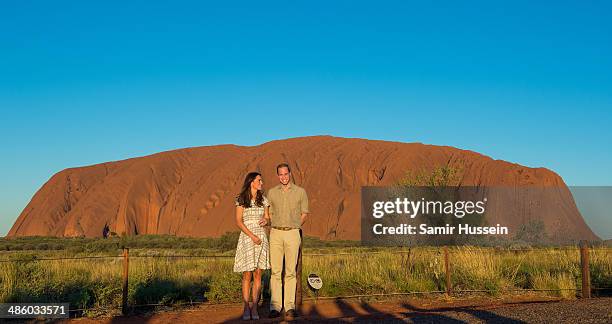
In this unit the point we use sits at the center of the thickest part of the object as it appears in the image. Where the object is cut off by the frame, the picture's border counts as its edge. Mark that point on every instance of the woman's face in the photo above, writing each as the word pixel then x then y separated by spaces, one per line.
pixel 257 183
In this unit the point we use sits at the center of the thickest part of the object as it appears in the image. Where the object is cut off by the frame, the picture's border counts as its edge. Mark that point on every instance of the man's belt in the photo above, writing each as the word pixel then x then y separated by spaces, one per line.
pixel 283 228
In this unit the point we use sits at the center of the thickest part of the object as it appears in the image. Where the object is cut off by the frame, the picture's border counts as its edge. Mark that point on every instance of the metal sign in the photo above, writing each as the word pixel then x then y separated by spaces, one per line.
pixel 315 282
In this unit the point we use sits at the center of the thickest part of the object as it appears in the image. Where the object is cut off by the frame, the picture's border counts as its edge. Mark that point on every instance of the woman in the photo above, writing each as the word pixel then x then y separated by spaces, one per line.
pixel 252 252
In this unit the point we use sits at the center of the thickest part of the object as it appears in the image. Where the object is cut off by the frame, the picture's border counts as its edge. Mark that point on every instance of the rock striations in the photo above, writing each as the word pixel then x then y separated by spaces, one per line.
pixel 190 192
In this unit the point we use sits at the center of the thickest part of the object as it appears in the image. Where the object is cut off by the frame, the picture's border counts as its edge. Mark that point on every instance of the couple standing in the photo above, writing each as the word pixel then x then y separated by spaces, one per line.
pixel 285 209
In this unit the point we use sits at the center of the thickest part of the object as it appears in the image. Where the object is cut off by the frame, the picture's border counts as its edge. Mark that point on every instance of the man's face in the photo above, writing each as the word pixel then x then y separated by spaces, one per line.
pixel 283 175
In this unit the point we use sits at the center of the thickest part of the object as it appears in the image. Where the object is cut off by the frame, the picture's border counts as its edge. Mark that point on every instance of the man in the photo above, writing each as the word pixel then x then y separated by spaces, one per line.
pixel 288 210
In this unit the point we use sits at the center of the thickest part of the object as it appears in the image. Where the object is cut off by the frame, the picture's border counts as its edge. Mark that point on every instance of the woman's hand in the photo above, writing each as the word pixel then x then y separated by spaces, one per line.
pixel 263 221
pixel 256 240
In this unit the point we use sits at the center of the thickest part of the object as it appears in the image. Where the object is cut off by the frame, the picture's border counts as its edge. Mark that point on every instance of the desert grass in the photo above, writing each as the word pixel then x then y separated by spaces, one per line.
pixel 155 277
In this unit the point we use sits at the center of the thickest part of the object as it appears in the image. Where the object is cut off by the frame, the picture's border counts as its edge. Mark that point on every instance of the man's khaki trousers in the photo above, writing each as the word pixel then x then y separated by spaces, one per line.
pixel 283 244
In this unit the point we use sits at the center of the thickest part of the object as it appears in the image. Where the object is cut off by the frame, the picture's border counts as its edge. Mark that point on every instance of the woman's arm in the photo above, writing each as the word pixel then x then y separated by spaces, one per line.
pixel 265 221
pixel 243 228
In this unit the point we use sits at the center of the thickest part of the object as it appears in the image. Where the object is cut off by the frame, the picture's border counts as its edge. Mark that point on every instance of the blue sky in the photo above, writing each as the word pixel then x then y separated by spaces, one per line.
pixel 84 82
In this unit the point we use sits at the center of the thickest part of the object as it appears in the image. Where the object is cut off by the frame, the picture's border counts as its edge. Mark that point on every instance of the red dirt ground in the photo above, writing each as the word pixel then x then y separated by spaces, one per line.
pixel 526 309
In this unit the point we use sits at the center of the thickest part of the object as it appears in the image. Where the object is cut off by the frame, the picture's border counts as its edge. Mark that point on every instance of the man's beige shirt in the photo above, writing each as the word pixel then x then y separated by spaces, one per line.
pixel 287 206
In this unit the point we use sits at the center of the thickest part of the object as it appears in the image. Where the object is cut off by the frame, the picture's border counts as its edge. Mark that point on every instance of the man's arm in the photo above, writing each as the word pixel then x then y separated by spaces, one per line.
pixel 304 207
pixel 266 220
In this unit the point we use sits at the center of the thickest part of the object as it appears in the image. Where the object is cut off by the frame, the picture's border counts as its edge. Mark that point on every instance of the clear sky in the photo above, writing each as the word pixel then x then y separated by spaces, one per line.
pixel 85 82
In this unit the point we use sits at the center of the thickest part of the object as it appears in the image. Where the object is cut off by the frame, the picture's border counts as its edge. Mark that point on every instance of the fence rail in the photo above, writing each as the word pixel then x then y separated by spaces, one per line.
pixel 583 248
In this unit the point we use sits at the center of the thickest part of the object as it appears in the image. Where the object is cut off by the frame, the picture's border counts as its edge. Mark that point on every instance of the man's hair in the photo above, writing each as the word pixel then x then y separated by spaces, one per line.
pixel 283 165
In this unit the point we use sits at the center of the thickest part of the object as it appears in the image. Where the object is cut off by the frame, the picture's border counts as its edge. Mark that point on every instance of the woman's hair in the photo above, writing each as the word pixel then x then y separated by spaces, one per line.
pixel 244 198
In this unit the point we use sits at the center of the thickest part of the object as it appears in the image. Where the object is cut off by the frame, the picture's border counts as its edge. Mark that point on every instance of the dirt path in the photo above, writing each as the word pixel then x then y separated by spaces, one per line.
pixel 525 310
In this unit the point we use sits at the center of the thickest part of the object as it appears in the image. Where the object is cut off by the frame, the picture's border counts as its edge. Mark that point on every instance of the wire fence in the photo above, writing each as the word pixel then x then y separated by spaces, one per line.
pixel 585 288
pixel 227 256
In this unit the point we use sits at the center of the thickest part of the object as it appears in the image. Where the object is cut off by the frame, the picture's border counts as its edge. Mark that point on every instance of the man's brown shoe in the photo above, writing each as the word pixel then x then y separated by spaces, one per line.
pixel 292 313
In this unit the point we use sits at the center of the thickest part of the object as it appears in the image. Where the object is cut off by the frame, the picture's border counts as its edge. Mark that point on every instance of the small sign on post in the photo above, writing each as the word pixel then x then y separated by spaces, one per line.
pixel 315 283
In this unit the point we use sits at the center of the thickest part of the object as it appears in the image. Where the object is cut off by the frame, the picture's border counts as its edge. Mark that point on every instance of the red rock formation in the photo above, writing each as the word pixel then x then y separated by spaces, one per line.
pixel 190 192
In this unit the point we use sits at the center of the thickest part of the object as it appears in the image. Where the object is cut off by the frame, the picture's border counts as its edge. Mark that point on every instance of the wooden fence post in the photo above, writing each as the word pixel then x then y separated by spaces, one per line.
pixel 586 276
pixel 298 276
pixel 124 299
pixel 447 271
